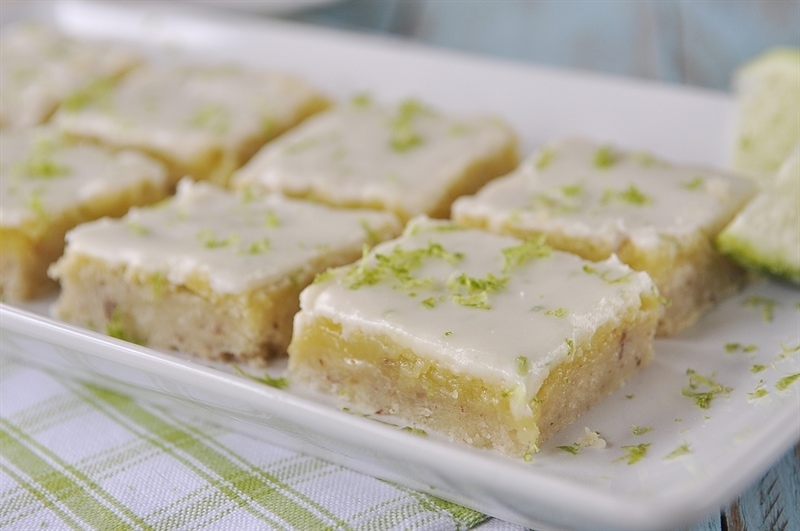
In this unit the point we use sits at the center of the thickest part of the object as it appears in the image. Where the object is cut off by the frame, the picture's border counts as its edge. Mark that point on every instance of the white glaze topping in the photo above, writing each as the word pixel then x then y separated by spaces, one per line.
pixel 484 305
pixel 42 174
pixel 403 157
pixel 585 189
pixel 188 110
pixel 39 68
pixel 235 242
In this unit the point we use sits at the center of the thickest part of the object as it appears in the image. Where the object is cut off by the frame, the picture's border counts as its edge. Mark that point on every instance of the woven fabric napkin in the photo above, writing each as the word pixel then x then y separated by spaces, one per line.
pixel 77 456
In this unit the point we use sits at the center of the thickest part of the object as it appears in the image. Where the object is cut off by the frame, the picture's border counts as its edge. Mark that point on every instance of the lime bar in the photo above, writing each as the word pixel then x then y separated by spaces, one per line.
pixel 50 184
pixel 489 340
pixel 208 272
pixel 597 200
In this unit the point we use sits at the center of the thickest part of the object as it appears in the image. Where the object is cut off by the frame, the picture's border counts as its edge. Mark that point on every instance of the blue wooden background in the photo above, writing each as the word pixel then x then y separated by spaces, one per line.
pixel 697 43
pixel 678 41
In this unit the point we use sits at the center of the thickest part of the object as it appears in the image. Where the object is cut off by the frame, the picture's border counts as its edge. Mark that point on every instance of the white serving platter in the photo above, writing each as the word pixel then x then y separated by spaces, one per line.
pixel 727 446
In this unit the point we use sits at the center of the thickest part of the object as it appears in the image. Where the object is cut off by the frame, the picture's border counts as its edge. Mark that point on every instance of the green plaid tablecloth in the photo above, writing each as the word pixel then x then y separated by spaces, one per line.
pixel 76 456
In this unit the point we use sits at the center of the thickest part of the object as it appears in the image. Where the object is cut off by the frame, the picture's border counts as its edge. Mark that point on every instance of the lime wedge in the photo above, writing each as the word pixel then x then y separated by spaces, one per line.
pixel 765 235
pixel 768 111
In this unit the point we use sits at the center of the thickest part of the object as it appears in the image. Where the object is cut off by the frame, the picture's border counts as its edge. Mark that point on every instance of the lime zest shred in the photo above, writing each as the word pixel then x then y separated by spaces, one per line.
pixel 159 282
pixel 559 200
pixel 525 252
pixel 545 158
pixel 116 328
pixel 399 265
pixel 372 236
pixel 697 183
pixel 631 195
pixel 766 305
pixel 528 456
pixel 591 439
pixel 362 100
pixel 137 228
pixel 446 226
pixel 96 92
pixel 605 157
pixel 634 453
pixel 247 195
pixel 703 389
pixel 209 240
pixel 40 165
pixel 785 382
pixel 474 291
pixel 732 347
pixel 259 247
pixel 634 196
pixel 323 276
pixel 430 302
pixel 787 351
pixel 759 391
pixel 36 205
pixel 523 365
pixel 557 312
pixel 680 450
pixel 573 448
pixel 570 346
pixel 608 279
pixel 403 137
pixel 640 430
pixel 605 276
pixel 271 219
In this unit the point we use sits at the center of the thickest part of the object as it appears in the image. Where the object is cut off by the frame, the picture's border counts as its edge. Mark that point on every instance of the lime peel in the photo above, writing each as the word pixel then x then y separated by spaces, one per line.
pixel 765 235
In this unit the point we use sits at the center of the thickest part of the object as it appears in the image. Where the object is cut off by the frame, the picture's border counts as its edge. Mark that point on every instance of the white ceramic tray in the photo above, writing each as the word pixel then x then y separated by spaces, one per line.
pixel 726 446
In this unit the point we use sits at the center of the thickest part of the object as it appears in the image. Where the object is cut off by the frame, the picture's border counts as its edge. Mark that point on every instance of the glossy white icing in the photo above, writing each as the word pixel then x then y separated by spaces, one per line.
pixel 545 305
pixel 41 174
pixel 403 157
pixel 584 189
pixel 40 67
pixel 190 110
pixel 233 241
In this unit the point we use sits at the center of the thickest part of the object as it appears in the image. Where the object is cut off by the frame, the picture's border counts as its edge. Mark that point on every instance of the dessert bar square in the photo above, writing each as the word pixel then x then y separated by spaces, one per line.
pixel 40 68
pixel 203 121
pixel 208 272
pixel 597 200
pixel 406 158
pixel 48 185
pixel 493 341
